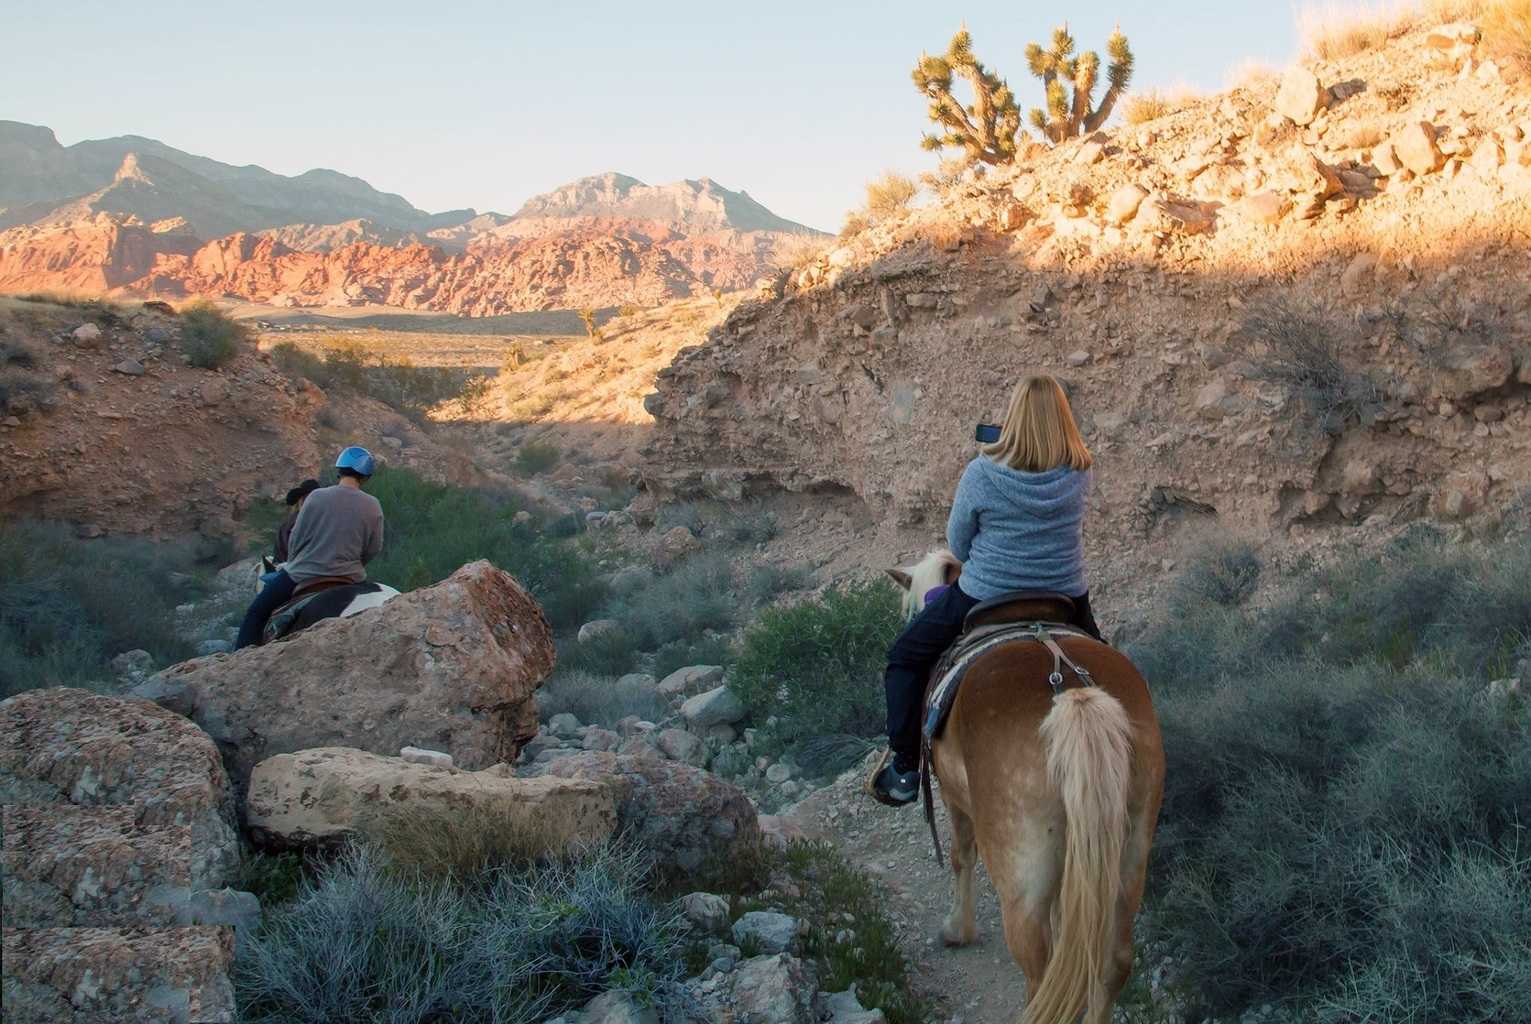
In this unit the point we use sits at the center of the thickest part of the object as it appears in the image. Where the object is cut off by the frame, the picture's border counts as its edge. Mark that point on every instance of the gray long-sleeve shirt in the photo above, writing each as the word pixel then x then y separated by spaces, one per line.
pixel 1015 530
pixel 339 530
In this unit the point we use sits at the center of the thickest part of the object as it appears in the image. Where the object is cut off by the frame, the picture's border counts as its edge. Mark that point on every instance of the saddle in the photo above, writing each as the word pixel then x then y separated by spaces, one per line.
pixel 1007 619
pixel 301 609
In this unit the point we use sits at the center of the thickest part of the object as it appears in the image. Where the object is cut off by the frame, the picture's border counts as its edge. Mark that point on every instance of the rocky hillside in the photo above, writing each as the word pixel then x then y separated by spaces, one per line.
pixel 131 216
pixel 105 425
pixel 1298 306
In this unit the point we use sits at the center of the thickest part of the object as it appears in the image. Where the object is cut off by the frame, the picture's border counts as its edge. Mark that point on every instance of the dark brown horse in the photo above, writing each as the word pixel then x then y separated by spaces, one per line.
pixel 1060 797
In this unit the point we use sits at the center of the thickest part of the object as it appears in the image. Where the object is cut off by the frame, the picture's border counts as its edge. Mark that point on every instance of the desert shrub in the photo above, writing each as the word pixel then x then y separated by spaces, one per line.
pixel 433 529
pixel 598 700
pixel 608 654
pixel 680 513
pixel 854 224
pixel 745 524
pixel 209 337
pixel 1344 809
pixel 702 650
pixel 816 665
pixel 695 596
pixel 21 381
pixel 1303 353
pixel 889 197
pixel 363 942
pixel 1227 574
pixel 1507 31
pixel 767 581
pixel 68 606
pixel 800 251
pixel 535 457
pixel 98 309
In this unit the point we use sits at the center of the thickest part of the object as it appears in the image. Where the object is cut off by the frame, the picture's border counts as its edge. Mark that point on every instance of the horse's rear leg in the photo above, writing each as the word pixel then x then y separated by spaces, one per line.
pixel 960 929
pixel 1028 888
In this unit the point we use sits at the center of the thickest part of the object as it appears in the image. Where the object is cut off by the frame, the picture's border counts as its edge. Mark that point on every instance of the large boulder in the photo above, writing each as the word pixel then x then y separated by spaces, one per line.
pixel 779 989
pixel 67 746
pixel 316 796
pixel 1301 96
pixel 684 814
pixel 454 667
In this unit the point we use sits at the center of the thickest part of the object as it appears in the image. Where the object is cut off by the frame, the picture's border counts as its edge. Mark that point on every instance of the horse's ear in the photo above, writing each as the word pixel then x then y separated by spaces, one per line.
pixel 901 577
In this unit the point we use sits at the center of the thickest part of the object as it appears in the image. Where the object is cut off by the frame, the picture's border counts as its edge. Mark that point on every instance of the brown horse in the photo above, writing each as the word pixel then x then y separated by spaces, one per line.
pixel 1060 797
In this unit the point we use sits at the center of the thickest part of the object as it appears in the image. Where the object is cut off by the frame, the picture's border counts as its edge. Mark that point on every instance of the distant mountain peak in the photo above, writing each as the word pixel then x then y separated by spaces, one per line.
pixel 689 205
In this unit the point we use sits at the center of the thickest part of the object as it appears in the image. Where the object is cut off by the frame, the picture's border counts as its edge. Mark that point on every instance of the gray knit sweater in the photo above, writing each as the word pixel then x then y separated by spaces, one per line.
pixel 1018 531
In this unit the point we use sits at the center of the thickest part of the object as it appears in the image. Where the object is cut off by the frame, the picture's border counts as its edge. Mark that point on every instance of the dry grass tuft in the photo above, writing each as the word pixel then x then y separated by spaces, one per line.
pixel 801 251
pixel 438 844
pixel 1331 31
pixel 1253 74
pixel 890 196
pixel 1156 103
pixel 1506 28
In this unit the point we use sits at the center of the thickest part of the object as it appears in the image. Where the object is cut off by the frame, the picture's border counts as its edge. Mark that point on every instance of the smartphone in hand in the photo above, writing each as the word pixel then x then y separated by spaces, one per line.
pixel 987 433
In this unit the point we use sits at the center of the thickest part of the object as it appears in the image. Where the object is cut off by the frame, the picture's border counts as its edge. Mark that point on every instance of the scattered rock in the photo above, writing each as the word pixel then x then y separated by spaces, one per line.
pixel 681 745
pixel 135 664
pixel 1078 357
pixel 845 1008
pixel 319 796
pixel 130 367
pixel 600 739
pixel 674 546
pixel 706 912
pixel 565 726
pixel 86 334
pixel 770 931
pixel 691 679
pixel 1471 369
pixel 1416 149
pixel 1263 207
pixel 1359 275
pixel 1124 203
pixel 637 679
pixel 453 667
pixel 597 628
pixel 434 758
pixel 720 706
pixel 1301 96
pixel 776 989
pixel 617 1007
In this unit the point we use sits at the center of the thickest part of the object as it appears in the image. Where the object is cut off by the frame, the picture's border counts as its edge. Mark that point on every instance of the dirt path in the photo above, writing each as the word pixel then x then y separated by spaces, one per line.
pixel 978 984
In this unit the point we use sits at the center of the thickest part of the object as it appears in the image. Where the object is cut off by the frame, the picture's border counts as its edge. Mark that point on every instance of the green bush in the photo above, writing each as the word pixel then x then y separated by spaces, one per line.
pixel 208 337
pixel 369 943
pixel 433 529
pixel 1227 575
pixel 534 457
pixel 68 606
pixel 766 582
pixel 608 654
pixel 816 666
pixel 1343 828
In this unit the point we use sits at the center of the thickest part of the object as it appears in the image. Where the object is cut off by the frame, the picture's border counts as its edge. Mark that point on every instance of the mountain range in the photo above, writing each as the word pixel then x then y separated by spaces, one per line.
pixel 131 215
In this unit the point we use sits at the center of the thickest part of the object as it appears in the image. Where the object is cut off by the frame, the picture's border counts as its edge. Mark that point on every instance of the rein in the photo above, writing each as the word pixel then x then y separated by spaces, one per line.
pixel 994 637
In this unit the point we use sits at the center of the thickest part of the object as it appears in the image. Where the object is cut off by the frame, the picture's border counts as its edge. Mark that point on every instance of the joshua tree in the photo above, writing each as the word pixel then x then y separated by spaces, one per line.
pixel 587 316
pixel 985 129
pixel 1058 66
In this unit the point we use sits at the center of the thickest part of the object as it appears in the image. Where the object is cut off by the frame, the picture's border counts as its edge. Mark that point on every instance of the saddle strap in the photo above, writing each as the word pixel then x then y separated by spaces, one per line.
pixel 1037 631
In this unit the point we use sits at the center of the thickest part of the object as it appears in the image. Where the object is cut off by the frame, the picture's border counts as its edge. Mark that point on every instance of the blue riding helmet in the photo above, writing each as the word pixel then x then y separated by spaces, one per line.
pixel 357 460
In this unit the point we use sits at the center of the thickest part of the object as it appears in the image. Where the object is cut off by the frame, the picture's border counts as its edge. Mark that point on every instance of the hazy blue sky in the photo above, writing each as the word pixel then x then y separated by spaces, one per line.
pixel 484 104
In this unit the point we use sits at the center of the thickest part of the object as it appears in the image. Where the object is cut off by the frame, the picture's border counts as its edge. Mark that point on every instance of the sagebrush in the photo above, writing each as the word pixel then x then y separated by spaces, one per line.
pixel 1345 804
pixel 1302 350
pixel 209 338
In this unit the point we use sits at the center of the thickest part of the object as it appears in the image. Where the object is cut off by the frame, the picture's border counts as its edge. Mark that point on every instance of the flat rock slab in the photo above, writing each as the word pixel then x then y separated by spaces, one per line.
pixel 454 667
pixel 318 796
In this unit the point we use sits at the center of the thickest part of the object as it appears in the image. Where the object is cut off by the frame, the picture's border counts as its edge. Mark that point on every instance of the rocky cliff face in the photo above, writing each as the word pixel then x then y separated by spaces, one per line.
pixel 1264 326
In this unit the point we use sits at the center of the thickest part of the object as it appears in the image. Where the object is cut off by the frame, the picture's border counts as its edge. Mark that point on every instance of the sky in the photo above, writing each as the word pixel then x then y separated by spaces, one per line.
pixel 481 104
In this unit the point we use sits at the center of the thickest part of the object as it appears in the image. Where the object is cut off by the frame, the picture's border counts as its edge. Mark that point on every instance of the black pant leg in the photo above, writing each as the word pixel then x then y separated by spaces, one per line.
pixel 913 655
pixel 1084 618
pixel 275 594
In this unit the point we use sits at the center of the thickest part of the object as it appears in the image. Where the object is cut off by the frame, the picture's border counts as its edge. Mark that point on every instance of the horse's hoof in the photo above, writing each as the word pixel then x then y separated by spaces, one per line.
pixel 954 937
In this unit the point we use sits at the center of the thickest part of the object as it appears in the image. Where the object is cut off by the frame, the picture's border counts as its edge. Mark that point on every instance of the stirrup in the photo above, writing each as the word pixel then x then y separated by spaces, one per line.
pixel 871 782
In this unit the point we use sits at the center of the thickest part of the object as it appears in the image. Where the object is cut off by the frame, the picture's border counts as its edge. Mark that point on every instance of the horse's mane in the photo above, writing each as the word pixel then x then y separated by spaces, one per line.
pixel 926 574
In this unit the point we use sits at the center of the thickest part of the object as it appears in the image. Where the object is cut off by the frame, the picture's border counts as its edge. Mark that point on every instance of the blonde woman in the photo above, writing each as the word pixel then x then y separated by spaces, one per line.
pixel 1016 524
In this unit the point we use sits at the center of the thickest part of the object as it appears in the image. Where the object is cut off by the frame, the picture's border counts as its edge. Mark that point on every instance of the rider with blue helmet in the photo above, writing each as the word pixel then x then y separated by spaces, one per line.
pixel 338 531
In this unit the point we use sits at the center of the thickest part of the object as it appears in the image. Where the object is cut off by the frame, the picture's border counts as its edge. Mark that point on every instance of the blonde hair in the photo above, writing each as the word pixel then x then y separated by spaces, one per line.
pixel 1039 432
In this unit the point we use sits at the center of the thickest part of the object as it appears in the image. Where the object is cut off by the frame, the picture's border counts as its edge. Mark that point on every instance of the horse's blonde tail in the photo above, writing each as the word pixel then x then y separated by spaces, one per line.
pixel 1089 760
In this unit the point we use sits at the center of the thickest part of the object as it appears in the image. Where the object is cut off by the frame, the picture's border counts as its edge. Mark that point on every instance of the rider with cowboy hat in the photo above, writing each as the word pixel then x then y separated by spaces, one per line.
pixel 338 530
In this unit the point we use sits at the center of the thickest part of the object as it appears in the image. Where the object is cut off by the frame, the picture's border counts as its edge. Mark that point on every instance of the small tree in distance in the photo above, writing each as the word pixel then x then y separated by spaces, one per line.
pixel 1058 67
pixel 983 130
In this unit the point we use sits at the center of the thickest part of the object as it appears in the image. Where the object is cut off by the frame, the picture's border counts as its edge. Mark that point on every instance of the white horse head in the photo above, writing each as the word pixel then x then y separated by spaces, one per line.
pixel 939 568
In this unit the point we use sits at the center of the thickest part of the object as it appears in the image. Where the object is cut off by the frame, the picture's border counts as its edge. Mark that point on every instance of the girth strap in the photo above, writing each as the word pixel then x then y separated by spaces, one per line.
pixel 1035 631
